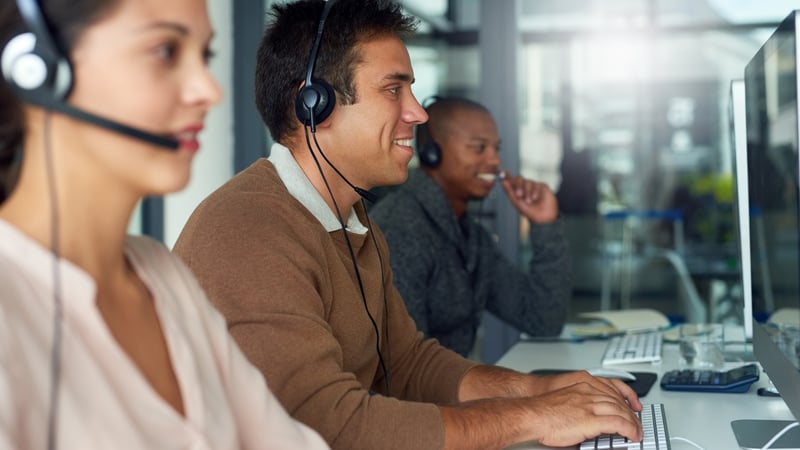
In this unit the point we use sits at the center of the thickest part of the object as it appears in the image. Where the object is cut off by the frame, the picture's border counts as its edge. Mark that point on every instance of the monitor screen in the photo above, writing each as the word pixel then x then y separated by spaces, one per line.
pixel 773 166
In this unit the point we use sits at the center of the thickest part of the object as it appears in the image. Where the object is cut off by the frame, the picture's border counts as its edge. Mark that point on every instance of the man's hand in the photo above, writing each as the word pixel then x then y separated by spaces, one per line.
pixel 532 199
pixel 556 410
pixel 573 414
pixel 613 387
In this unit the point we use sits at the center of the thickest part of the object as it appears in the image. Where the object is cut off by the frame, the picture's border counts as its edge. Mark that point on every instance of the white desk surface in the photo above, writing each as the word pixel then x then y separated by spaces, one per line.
pixel 703 418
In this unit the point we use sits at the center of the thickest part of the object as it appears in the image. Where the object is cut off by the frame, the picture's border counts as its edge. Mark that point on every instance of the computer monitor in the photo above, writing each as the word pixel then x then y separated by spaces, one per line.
pixel 773 166
pixel 737 127
pixel 754 268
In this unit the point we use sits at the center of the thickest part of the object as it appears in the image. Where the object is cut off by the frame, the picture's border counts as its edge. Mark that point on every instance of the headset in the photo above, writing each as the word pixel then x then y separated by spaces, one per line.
pixel 316 99
pixel 428 151
pixel 39 71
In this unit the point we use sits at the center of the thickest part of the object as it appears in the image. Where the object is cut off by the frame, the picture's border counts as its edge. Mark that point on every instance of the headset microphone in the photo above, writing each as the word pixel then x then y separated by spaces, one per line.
pixel 365 194
pixel 108 124
pixel 39 72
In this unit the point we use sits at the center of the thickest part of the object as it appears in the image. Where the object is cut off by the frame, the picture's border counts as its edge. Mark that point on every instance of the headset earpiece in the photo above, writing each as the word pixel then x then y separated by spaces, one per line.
pixel 316 98
pixel 32 63
pixel 430 154
pixel 21 67
pixel 428 151
pixel 34 76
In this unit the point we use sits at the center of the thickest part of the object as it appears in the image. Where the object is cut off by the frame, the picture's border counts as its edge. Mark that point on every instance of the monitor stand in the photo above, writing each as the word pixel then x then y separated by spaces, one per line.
pixel 753 434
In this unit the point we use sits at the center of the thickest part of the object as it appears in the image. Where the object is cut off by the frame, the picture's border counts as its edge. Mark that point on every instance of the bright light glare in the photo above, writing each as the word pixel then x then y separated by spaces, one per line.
pixel 615 59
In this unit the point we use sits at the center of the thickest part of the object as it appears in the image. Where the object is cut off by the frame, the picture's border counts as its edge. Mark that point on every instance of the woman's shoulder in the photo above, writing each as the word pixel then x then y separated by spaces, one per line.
pixel 145 246
pixel 152 258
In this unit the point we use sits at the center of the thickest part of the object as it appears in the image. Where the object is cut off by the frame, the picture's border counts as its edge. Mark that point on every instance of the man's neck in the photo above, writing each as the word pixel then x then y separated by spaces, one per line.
pixel 344 195
pixel 457 204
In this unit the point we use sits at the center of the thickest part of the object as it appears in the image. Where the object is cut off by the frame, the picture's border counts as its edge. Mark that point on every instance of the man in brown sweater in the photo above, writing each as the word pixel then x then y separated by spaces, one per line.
pixel 288 255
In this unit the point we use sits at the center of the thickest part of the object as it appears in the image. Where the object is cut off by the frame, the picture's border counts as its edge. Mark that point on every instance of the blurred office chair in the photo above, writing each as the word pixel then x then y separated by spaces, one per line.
pixel 621 251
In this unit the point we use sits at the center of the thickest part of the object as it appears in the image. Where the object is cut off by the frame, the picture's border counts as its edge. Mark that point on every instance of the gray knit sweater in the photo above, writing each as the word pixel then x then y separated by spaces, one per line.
pixel 449 271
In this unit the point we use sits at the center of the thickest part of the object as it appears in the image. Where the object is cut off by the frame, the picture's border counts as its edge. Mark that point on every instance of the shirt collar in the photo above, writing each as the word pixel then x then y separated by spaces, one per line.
pixel 301 189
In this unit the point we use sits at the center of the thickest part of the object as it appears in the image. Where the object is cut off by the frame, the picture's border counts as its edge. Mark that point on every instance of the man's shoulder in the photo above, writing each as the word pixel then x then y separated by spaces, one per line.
pixel 399 203
pixel 387 206
pixel 256 187
pixel 260 176
pixel 255 202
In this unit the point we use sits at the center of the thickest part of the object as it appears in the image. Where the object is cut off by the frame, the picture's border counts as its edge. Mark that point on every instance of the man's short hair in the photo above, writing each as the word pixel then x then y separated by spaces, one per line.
pixel 440 113
pixel 285 48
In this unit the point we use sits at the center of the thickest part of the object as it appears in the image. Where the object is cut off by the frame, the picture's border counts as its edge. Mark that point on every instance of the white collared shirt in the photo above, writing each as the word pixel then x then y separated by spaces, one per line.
pixel 301 188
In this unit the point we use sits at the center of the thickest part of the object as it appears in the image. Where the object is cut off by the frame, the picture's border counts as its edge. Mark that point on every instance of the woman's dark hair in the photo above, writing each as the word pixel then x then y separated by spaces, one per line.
pixel 67 20
pixel 286 45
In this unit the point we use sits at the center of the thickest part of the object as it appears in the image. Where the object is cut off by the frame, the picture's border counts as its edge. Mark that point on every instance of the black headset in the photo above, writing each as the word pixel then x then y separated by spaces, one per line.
pixel 316 98
pixel 428 151
pixel 39 72
pixel 33 64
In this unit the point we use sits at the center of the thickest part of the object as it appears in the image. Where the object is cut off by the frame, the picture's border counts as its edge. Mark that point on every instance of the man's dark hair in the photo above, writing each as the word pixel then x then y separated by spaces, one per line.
pixel 286 45
pixel 440 112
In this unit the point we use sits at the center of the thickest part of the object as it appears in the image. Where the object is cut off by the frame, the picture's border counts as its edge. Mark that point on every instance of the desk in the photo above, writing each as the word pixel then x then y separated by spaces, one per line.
pixel 703 418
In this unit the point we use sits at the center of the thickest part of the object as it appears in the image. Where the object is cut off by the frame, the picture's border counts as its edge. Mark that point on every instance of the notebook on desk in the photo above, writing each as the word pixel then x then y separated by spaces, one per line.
pixel 609 323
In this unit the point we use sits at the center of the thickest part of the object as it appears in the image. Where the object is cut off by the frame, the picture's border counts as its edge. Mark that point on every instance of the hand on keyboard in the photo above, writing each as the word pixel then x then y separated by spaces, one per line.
pixel 611 386
pixel 581 406
pixel 654 425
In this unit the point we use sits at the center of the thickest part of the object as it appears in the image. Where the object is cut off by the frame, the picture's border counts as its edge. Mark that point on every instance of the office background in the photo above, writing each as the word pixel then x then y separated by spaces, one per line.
pixel 621 106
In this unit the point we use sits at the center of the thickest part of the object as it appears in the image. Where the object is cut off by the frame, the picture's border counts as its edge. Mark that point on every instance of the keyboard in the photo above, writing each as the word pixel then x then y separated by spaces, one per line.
pixel 633 348
pixel 655 436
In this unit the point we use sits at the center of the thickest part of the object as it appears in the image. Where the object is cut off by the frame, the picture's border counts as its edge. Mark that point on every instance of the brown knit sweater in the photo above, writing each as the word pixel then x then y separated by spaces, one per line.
pixel 288 290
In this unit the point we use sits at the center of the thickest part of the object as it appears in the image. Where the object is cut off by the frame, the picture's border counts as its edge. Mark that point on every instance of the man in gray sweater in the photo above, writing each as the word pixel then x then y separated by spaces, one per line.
pixel 447 266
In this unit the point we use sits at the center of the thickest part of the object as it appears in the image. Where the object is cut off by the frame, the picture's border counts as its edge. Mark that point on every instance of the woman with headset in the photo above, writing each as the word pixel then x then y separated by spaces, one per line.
pixel 106 339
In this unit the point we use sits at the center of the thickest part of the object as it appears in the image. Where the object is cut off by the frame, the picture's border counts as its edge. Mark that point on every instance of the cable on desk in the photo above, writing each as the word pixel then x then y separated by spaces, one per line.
pixel 687 441
pixel 778 436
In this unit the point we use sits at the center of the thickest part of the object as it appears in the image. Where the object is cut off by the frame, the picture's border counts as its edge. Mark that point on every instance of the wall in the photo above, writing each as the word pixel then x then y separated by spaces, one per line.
pixel 213 165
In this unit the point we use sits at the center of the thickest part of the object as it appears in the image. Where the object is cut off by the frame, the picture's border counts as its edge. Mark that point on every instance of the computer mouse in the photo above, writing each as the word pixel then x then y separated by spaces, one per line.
pixel 610 372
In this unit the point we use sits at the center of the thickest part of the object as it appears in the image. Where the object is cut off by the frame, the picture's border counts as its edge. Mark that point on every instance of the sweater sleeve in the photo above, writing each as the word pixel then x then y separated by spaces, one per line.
pixel 264 267
pixel 534 302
